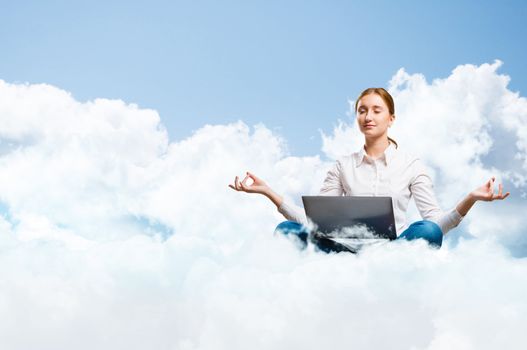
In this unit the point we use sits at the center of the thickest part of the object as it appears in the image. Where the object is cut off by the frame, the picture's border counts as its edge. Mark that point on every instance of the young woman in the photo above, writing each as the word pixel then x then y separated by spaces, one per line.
pixel 379 168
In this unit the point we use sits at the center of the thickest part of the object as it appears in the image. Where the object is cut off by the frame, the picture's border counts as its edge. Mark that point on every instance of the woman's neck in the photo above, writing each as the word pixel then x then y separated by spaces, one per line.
pixel 374 148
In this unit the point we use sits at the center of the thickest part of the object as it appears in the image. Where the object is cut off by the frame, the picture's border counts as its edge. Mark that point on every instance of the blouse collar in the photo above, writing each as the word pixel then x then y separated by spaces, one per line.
pixel 387 156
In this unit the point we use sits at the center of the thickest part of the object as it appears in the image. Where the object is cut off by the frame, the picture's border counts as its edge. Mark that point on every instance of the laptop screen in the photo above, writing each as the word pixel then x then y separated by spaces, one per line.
pixel 351 216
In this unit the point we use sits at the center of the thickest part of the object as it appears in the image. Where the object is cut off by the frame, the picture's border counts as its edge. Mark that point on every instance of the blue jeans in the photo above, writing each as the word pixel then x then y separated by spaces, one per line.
pixel 427 230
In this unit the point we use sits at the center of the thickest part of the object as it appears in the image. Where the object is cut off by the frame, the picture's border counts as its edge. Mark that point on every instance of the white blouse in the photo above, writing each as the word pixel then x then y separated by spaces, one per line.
pixel 395 174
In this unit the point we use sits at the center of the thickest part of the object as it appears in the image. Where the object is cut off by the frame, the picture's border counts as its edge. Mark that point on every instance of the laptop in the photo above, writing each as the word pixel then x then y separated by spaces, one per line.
pixel 351 218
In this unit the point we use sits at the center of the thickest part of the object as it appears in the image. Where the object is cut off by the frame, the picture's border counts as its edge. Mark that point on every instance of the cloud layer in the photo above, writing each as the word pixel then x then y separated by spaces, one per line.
pixel 115 237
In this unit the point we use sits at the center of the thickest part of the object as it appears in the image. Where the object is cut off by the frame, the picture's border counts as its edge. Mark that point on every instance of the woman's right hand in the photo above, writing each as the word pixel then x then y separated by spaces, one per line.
pixel 258 185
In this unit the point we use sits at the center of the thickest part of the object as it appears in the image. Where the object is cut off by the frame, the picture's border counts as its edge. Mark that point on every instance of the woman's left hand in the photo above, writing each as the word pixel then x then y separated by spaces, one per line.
pixel 486 192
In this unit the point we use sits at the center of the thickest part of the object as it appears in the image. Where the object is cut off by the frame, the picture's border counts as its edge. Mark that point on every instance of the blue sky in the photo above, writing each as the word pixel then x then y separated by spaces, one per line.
pixel 292 65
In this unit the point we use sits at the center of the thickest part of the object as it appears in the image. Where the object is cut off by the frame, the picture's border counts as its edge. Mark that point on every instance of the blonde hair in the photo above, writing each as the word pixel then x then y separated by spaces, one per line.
pixel 386 97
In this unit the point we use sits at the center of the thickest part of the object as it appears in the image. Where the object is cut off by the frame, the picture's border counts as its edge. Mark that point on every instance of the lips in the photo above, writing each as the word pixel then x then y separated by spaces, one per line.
pixel 368 125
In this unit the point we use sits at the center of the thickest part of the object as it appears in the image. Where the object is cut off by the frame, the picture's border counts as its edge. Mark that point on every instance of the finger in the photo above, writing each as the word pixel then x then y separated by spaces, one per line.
pixel 247 178
pixel 244 182
pixel 254 177
pixel 503 196
pixel 237 183
pixel 500 190
pixel 251 176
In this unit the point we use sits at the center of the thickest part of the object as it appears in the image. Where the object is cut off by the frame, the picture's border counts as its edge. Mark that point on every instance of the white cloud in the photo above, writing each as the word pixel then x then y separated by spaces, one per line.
pixel 114 237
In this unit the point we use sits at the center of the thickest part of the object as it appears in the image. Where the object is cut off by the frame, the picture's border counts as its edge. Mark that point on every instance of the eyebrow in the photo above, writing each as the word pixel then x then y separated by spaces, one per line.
pixel 374 106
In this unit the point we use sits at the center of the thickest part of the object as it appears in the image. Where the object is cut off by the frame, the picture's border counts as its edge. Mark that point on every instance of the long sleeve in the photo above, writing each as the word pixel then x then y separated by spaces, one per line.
pixel 425 200
pixel 332 186
pixel 292 212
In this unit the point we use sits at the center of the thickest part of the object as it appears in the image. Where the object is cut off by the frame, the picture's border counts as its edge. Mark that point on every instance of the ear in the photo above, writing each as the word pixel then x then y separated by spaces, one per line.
pixel 392 119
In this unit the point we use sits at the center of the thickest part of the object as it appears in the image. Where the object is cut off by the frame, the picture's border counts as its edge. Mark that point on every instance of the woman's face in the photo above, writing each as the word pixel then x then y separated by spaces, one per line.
pixel 373 116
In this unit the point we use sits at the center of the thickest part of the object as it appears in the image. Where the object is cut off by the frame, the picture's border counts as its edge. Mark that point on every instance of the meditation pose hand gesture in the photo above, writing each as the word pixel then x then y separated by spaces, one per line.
pixel 486 192
pixel 257 186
